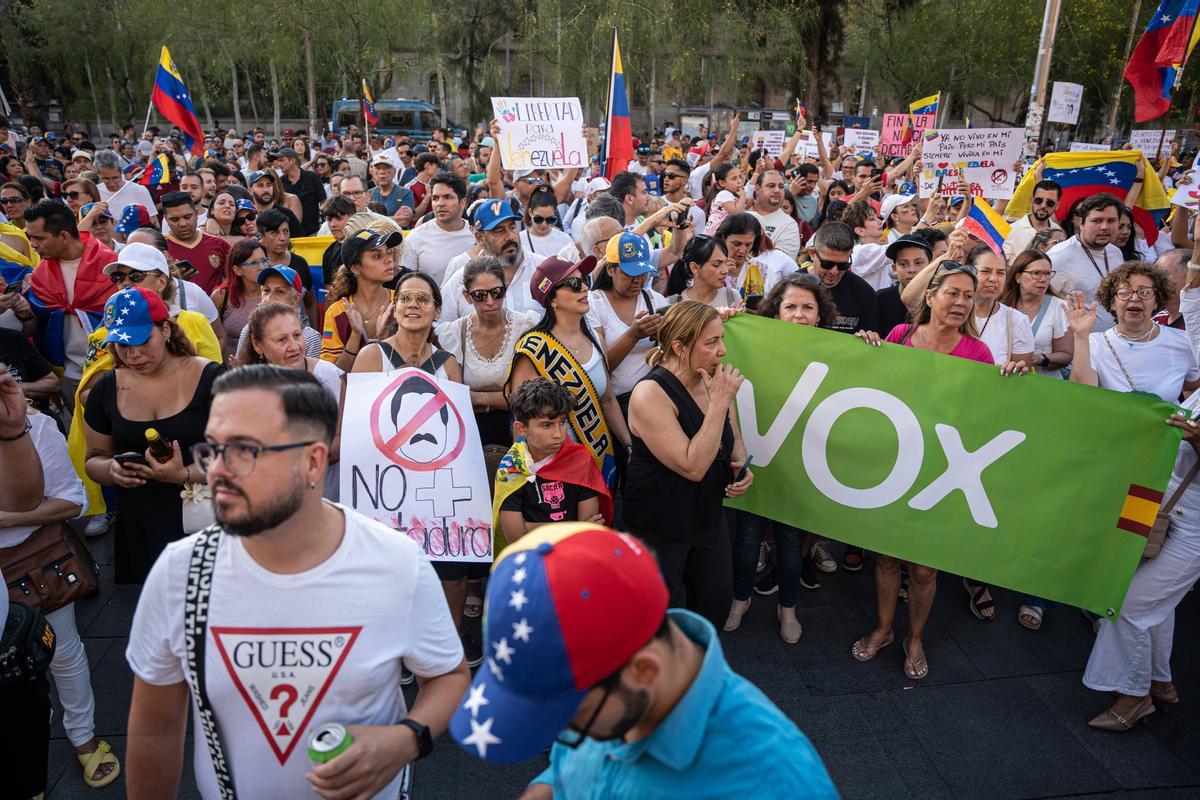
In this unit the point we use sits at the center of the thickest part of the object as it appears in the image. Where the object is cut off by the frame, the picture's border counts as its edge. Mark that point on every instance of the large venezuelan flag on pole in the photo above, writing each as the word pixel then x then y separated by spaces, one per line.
pixel 1084 174
pixel 172 100
pixel 1155 62
pixel 618 136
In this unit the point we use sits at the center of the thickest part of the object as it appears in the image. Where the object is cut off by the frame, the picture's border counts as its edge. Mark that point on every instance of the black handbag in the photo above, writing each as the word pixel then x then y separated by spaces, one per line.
pixel 26 645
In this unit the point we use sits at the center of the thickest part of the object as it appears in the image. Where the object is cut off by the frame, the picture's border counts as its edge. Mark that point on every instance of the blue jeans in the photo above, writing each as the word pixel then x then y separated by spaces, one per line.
pixel 747 536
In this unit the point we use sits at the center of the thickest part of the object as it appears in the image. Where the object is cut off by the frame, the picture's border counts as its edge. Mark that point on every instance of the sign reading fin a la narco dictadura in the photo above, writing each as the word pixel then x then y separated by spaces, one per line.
pixel 540 132
pixel 1041 486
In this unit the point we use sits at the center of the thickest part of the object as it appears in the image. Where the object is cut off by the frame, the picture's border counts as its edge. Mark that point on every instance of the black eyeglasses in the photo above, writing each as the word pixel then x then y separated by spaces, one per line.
pixel 537 220
pixel 574 283
pixel 496 293
pixel 238 457
pixel 133 276
pixel 840 266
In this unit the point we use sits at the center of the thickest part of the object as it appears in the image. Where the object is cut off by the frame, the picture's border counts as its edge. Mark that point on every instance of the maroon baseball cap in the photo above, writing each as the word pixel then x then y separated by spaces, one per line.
pixel 553 270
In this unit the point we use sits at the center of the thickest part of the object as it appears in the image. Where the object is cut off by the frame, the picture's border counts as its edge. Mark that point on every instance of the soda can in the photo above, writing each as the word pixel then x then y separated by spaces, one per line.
pixel 328 742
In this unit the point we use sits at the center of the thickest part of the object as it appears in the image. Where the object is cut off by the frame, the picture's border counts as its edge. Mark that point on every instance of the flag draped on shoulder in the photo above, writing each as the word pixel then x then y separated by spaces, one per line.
pixel 172 100
pixel 618 135
pixel 1164 46
pixel 1084 174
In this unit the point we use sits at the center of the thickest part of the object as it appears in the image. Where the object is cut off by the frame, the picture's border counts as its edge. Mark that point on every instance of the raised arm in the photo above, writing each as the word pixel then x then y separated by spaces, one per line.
pixel 495 173
pixel 727 147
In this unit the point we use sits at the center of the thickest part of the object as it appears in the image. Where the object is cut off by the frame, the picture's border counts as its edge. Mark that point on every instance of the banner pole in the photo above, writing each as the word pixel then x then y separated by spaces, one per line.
pixel 149 108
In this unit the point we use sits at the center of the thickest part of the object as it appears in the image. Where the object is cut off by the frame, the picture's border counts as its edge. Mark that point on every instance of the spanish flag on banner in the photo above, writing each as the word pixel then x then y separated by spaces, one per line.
pixel 1140 509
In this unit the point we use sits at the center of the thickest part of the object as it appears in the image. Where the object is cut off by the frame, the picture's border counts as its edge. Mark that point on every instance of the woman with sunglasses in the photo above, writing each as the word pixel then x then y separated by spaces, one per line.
pixel 238 294
pixel 563 348
pixel 14 200
pixel 158 383
pixel 700 275
pixel 801 299
pixel 78 192
pixel 542 236
pixel 945 323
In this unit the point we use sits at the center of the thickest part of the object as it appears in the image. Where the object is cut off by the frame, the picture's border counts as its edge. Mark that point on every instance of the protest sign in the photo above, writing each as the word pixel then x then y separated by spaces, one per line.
pixel 807 145
pixel 1065 100
pixel 1087 147
pixel 412 460
pixel 987 155
pixel 861 142
pixel 1147 139
pixel 936 460
pixel 771 140
pixel 540 132
pixel 891 141
pixel 1187 192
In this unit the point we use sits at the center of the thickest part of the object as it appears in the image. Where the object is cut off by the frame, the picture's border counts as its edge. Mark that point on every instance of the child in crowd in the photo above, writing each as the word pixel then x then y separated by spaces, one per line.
pixel 546 477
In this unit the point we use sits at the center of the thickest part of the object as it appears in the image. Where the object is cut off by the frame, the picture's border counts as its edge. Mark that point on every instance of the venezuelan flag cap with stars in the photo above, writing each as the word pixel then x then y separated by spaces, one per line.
pixel 567 605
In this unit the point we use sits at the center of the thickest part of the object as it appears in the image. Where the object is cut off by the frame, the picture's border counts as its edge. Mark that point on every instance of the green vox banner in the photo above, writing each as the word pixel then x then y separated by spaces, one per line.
pixel 1038 485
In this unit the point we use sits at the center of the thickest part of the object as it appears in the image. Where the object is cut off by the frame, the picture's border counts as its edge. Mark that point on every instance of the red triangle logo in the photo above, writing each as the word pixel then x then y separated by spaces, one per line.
pixel 283 674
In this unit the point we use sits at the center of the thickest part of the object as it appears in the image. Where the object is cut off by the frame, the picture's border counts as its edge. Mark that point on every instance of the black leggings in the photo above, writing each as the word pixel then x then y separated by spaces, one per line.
pixel 699 570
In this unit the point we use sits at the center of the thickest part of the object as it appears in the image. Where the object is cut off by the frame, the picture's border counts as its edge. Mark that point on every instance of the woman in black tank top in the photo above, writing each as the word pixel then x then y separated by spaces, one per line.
pixel 686 451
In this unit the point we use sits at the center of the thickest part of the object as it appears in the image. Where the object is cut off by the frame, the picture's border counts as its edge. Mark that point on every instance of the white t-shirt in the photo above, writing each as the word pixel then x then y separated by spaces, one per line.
pixel 601 315
pixel 1078 269
pixel 518 297
pixel 75 336
pixel 334 635
pixel 1159 366
pixel 1053 326
pixel 58 474
pixel 194 299
pixel 775 266
pixel 783 230
pixel 870 262
pixel 429 248
pixel 130 194
pixel 548 245
pixel 695 183
pixel 994 332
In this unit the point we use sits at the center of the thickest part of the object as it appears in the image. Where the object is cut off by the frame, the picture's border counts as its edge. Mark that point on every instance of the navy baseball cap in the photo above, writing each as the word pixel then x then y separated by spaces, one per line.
pixel 357 243
pixel 256 176
pixel 131 314
pixel 491 213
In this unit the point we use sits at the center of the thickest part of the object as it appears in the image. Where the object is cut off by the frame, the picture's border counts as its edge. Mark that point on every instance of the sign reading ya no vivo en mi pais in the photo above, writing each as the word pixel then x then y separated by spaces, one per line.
pixel 540 132
pixel 1041 486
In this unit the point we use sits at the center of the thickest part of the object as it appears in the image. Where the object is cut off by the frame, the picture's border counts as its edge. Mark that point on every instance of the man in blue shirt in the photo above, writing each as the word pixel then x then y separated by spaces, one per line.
pixel 638 700
pixel 388 193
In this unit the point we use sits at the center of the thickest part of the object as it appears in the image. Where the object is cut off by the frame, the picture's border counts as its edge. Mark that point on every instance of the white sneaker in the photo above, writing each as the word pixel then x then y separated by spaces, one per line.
pixel 789 626
pixel 98 525
pixel 736 611
pixel 821 558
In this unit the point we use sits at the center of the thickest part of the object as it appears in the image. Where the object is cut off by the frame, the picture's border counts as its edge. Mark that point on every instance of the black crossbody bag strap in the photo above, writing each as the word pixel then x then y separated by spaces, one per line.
pixel 195 633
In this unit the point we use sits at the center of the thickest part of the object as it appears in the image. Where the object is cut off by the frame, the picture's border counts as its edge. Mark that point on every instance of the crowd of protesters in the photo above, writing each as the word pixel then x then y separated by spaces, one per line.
pixel 586 316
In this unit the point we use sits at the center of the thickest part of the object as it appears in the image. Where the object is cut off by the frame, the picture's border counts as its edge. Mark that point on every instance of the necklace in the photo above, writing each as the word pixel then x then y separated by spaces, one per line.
pixel 1141 337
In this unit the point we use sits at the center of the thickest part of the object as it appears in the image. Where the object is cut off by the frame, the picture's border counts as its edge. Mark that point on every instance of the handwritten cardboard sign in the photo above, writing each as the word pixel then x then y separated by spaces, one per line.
pixel 540 132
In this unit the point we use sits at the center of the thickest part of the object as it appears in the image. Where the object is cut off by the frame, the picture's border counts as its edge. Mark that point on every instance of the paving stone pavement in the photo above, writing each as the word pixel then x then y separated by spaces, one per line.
pixel 1002 713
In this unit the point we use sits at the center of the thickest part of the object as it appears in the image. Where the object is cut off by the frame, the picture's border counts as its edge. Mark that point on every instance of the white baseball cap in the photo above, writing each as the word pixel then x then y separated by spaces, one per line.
pixel 140 257
pixel 597 185
pixel 892 202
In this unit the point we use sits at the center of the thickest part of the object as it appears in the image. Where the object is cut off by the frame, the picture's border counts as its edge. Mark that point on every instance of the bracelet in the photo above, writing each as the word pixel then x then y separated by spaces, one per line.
pixel 1138 180
pixel 348 353
pixel 1193 267
pixel 25 432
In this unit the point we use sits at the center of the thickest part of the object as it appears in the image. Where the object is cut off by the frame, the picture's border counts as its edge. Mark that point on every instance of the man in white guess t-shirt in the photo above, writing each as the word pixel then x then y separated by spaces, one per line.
pixel 310 611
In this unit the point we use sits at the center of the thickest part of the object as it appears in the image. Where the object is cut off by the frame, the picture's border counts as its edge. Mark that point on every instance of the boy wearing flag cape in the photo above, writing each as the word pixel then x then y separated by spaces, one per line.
pixel 546 477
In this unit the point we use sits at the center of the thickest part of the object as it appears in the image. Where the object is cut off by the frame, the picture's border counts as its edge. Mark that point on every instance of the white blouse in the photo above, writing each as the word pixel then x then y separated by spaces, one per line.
pixel 479 373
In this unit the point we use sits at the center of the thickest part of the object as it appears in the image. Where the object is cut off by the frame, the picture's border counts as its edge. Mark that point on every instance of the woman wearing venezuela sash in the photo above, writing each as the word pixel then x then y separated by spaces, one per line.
pixel 562 348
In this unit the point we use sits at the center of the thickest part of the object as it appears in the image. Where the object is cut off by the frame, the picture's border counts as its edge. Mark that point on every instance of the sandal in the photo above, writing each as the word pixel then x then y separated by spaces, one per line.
pixel 863 651
pixel 977 604
pixel 915 670
pixel 473 608
pixel 93 761
pixel 1030 616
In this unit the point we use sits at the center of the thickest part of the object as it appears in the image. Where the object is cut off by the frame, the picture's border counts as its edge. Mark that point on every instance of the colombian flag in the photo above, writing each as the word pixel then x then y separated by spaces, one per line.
pixel 172 100
pixel 368 105
pixel 984 223
pixel 1085 174
pixel 157 172
pixel 929 105
pixel 618 136
pixel 1152 68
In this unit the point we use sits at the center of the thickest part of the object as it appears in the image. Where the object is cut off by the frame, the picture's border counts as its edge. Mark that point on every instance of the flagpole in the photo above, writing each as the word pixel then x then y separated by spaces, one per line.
pixel 612 79
pixel 149 108
pixel 1166 117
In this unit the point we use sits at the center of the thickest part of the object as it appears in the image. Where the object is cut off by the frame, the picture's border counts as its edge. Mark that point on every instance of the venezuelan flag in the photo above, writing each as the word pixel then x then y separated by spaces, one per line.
pixel 985 224
pixel 368 105
pixel 157 172
pixel 1154 63
pixel 618 135
pixel 931 136
pixel 1085 174
pixel 929 105
pixel 172 100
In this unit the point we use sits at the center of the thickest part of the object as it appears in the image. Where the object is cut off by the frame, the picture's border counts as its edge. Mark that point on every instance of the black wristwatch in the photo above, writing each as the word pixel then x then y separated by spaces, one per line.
pixel 424 738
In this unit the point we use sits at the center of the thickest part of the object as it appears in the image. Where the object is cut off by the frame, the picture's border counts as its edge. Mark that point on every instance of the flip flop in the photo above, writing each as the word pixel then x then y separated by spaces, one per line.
pixel 865 652
pixel 915 670
pixel 92 762
pixel 1034 615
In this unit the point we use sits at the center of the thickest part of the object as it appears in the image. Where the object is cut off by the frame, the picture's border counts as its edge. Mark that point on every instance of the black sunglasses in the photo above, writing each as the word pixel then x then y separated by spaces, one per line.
pixel 538 220
pixel 574 283
pixel 840 266
pixel 133 276
pixel 496 292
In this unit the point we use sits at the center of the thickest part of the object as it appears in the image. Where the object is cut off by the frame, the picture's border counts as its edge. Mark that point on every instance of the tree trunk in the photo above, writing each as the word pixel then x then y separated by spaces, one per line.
pixel 87 68
pixel 652 108
pixel 237 105
pixel 208 117
pixel 274 99
pixel 310 82
pixel 112 93
pixel 130 103
pixel 250 93
pixel 441 79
